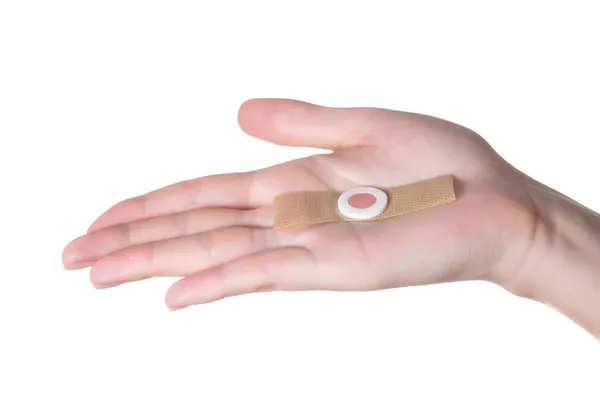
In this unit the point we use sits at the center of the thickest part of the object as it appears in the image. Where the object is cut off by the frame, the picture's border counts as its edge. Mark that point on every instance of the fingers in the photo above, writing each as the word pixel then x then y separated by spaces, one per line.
pixel 291 268
pixel 181 256
pixel 295 123
pixel 227 191
pixel 284 122
pixel 87 249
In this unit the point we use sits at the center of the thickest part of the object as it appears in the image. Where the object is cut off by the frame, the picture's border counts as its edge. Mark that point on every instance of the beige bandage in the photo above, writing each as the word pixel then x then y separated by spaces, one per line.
pixel 309 208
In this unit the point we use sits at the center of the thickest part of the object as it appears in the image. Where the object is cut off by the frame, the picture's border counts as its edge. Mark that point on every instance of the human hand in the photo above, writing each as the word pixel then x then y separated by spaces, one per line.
pixel 216 231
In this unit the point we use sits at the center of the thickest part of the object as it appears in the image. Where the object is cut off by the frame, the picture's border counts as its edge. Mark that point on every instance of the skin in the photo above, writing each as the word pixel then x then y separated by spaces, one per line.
pixel 216 232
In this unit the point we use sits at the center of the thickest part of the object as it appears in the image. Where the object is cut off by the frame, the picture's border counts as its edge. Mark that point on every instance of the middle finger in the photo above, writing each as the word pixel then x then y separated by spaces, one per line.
pixel 181 256
pixel 90 248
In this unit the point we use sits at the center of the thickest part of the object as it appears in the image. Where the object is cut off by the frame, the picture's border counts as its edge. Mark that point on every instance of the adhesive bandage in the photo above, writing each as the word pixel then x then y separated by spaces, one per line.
pixel 363 203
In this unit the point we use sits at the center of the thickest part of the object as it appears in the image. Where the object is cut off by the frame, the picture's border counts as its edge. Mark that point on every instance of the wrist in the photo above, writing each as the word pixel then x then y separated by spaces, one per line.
pixel 562 267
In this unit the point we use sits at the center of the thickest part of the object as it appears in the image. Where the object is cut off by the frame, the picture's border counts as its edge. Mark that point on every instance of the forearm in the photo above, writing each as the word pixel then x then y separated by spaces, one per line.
pixel 564 270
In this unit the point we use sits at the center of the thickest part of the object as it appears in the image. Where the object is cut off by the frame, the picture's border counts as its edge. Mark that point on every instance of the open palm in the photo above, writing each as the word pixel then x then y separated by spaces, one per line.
pixel 216 232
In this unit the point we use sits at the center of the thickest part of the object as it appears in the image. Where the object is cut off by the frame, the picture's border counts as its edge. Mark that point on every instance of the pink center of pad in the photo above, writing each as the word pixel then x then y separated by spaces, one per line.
pixel 362 200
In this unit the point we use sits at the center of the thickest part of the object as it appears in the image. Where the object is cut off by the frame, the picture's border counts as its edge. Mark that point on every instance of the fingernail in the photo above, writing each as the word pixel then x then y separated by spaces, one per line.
pixel 176 308
pixel 106 285
pixel 78 265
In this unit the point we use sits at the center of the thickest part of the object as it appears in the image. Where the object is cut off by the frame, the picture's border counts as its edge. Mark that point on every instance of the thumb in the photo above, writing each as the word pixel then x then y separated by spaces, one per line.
pixel 300 124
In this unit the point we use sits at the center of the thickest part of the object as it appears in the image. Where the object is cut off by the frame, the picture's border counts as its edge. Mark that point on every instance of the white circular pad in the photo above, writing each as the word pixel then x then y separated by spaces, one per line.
pixel 349 211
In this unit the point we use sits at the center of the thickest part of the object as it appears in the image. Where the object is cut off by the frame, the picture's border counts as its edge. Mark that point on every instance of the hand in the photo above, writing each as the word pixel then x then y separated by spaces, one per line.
pixel 216 232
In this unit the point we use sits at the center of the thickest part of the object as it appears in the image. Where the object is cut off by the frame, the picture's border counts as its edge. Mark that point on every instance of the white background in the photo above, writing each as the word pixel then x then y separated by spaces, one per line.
pixel 102 100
